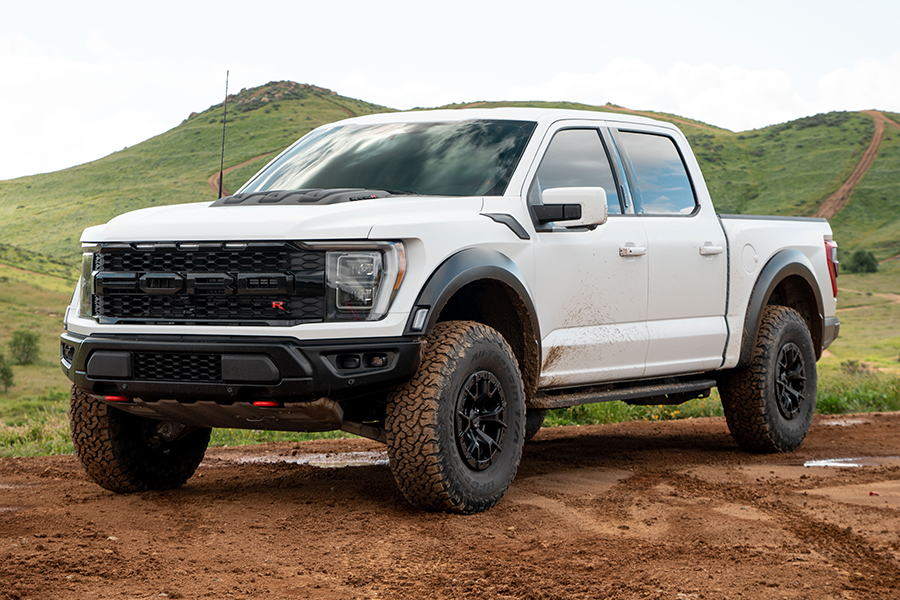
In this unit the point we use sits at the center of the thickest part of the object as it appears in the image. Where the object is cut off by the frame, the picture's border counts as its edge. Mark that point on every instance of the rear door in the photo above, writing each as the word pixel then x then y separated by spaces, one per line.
pixel 686 254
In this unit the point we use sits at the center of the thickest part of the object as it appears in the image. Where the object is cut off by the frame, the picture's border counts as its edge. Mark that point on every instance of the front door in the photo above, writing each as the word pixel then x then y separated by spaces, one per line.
pixel 591 283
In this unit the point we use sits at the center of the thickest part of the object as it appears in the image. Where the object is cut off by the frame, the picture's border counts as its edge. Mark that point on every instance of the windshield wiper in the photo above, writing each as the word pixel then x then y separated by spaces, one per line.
pixel 401 193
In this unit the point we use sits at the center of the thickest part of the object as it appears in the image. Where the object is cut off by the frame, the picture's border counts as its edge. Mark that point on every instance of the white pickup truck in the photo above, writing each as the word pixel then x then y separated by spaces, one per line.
pixel 438 280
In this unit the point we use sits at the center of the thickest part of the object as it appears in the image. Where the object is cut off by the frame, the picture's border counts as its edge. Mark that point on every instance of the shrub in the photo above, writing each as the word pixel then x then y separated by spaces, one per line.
pixel 861 261
pixel 6 374
pixel 23 347
pixel 854 367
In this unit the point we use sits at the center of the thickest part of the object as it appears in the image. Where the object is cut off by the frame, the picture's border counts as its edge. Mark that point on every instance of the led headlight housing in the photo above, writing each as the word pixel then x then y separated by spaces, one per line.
pixel 86 282
pixel 361 279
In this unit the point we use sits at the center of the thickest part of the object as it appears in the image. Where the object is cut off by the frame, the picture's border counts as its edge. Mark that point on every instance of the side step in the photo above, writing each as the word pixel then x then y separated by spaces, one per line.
pixel 643 393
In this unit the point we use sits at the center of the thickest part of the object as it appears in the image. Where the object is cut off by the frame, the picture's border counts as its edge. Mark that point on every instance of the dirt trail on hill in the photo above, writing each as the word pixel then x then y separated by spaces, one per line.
pixel 836 202
pixel 891 298
pixel 213 181
pixel 640 510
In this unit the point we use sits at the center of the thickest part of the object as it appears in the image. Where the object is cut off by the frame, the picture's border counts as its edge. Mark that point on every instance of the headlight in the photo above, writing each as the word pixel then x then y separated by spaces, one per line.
pixel 86 282
pixel 362 279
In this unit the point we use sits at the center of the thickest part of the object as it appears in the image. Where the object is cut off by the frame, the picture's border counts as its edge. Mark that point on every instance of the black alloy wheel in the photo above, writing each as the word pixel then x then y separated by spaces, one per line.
pixel 790 380
pixel 481 420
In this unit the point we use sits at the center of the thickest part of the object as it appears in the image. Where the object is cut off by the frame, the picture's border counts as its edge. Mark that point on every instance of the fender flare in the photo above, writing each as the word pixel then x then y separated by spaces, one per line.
pixel 784 264
pixel 461 269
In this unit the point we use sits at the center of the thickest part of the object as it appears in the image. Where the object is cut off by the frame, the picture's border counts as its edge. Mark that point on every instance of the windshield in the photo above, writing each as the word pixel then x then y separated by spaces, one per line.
pixel 463 158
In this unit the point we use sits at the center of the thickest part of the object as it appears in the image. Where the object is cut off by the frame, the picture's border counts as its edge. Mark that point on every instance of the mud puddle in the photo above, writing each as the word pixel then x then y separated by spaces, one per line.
pixel 865 461
pixel 335 460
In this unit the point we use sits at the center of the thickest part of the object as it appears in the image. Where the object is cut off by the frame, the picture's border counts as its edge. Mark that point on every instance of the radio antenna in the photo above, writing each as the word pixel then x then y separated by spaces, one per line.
pixel 224 119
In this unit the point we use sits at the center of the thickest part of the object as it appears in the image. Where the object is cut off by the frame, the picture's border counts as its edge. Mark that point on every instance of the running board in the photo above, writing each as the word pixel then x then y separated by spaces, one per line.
pixel 643 394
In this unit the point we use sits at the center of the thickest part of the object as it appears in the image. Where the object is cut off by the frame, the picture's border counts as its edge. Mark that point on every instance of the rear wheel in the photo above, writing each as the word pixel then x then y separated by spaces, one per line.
pixel 126 453
pixel 769 405
pixel 455 431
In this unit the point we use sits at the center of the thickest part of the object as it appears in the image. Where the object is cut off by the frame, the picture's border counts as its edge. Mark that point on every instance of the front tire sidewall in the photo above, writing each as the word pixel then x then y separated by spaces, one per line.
pixel 113 448
pixel 421 422
pixel 496 478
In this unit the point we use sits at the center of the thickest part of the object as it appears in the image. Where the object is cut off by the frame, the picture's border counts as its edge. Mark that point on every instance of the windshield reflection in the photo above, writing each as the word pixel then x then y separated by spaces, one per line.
pixel 468 158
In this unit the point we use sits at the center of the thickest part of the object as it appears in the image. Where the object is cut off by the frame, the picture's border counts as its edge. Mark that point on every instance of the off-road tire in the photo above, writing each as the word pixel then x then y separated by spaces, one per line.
pixel 769 405
pixel 120 452
pixel 534 419
pixel 467 385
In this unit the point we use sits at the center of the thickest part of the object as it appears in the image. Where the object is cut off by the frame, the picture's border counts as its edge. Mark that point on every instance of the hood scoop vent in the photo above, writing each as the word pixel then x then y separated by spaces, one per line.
pixel 295 197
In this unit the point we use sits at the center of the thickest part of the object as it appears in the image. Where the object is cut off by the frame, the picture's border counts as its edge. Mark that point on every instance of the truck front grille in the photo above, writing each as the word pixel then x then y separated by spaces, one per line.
pixel 254 283
pixel 177 367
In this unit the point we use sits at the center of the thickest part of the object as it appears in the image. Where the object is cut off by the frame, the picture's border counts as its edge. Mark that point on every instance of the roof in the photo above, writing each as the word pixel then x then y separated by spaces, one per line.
pixel 541 115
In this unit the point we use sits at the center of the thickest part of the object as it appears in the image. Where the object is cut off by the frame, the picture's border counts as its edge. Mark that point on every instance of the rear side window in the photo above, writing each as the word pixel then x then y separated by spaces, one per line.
pixel 661 180
pixel 576 158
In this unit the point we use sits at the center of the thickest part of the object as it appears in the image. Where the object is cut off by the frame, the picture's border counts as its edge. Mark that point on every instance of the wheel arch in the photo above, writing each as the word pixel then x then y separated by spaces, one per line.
pixel 786 280
pixel 485 286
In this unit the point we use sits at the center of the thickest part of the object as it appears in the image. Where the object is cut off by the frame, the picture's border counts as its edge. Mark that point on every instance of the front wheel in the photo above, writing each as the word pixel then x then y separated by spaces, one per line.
pixel 769 405
pixel 455 430
pixel 126 453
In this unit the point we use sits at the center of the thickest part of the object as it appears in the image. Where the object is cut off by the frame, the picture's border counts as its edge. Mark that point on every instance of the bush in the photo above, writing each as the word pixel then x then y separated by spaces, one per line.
pixel 6 374
pixel 854 367
pixel 861 261
pixel 23 347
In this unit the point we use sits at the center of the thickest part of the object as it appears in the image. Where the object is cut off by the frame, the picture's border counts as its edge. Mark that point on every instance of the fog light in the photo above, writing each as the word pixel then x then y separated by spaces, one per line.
pixel 376 360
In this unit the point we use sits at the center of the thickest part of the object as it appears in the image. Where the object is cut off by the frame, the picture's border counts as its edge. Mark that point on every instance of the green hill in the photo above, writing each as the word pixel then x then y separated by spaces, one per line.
pixel 46 213
pixel 785 169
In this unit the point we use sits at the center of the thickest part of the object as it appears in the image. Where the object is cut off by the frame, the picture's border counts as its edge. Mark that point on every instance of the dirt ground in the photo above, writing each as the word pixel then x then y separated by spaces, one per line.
pixel 668 510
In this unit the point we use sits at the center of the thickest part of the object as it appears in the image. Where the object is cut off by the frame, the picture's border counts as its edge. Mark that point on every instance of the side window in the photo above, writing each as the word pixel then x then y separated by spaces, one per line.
pixel 576 158
pixel 663 186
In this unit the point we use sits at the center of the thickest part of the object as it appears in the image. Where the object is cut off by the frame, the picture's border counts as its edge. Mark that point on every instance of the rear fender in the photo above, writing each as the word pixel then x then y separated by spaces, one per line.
pixel 786 266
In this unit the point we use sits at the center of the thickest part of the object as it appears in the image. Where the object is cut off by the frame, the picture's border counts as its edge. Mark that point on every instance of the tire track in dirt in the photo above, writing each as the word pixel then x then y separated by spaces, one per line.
pixel 630 511
pixel 213 180
pixel 836 202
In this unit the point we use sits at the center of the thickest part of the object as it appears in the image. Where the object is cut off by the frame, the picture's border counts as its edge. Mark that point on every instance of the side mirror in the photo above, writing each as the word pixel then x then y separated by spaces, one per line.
pixel 576 206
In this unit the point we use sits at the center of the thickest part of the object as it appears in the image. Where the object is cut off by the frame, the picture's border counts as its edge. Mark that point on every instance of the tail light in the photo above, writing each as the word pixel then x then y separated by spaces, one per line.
pixel 833 264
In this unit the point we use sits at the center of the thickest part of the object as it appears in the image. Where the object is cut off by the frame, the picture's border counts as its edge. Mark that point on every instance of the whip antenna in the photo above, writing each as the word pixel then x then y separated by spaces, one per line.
pixel 224 119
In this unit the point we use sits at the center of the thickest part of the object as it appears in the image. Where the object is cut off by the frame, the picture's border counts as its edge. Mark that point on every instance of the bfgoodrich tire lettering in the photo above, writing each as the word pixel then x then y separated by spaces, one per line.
pixel 126 453
pixel 769 405
pixel 455 431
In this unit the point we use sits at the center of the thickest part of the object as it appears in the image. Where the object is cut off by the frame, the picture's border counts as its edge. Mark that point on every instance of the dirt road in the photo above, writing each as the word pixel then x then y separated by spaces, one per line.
pixel 637 510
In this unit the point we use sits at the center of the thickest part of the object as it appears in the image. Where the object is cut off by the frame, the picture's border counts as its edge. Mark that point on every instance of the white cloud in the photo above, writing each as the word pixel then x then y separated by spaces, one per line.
pixel 870 83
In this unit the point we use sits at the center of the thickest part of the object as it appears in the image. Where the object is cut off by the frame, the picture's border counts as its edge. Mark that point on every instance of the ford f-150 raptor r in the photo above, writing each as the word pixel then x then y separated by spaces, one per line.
pixel 438 280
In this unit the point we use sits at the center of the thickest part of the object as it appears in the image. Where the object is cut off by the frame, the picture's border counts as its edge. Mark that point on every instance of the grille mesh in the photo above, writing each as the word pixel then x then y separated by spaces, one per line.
pixel 262 299
pixel 177 367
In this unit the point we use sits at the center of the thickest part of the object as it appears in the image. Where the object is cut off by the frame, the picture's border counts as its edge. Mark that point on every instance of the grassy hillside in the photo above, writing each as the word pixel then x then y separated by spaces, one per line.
pixel 46 213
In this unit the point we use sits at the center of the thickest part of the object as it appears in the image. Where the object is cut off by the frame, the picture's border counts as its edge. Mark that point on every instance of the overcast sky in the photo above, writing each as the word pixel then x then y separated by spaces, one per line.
pixel 79 80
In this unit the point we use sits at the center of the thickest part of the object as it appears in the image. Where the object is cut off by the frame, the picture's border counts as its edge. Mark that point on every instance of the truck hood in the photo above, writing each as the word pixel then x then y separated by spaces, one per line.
pixel 203 222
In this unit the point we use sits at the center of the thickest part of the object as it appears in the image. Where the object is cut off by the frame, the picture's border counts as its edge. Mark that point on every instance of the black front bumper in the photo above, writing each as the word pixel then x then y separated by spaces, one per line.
pixel 235 369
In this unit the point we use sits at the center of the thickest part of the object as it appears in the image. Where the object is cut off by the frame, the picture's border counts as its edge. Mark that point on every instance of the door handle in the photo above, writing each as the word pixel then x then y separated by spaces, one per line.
pixel 711 250
pixel 628 251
